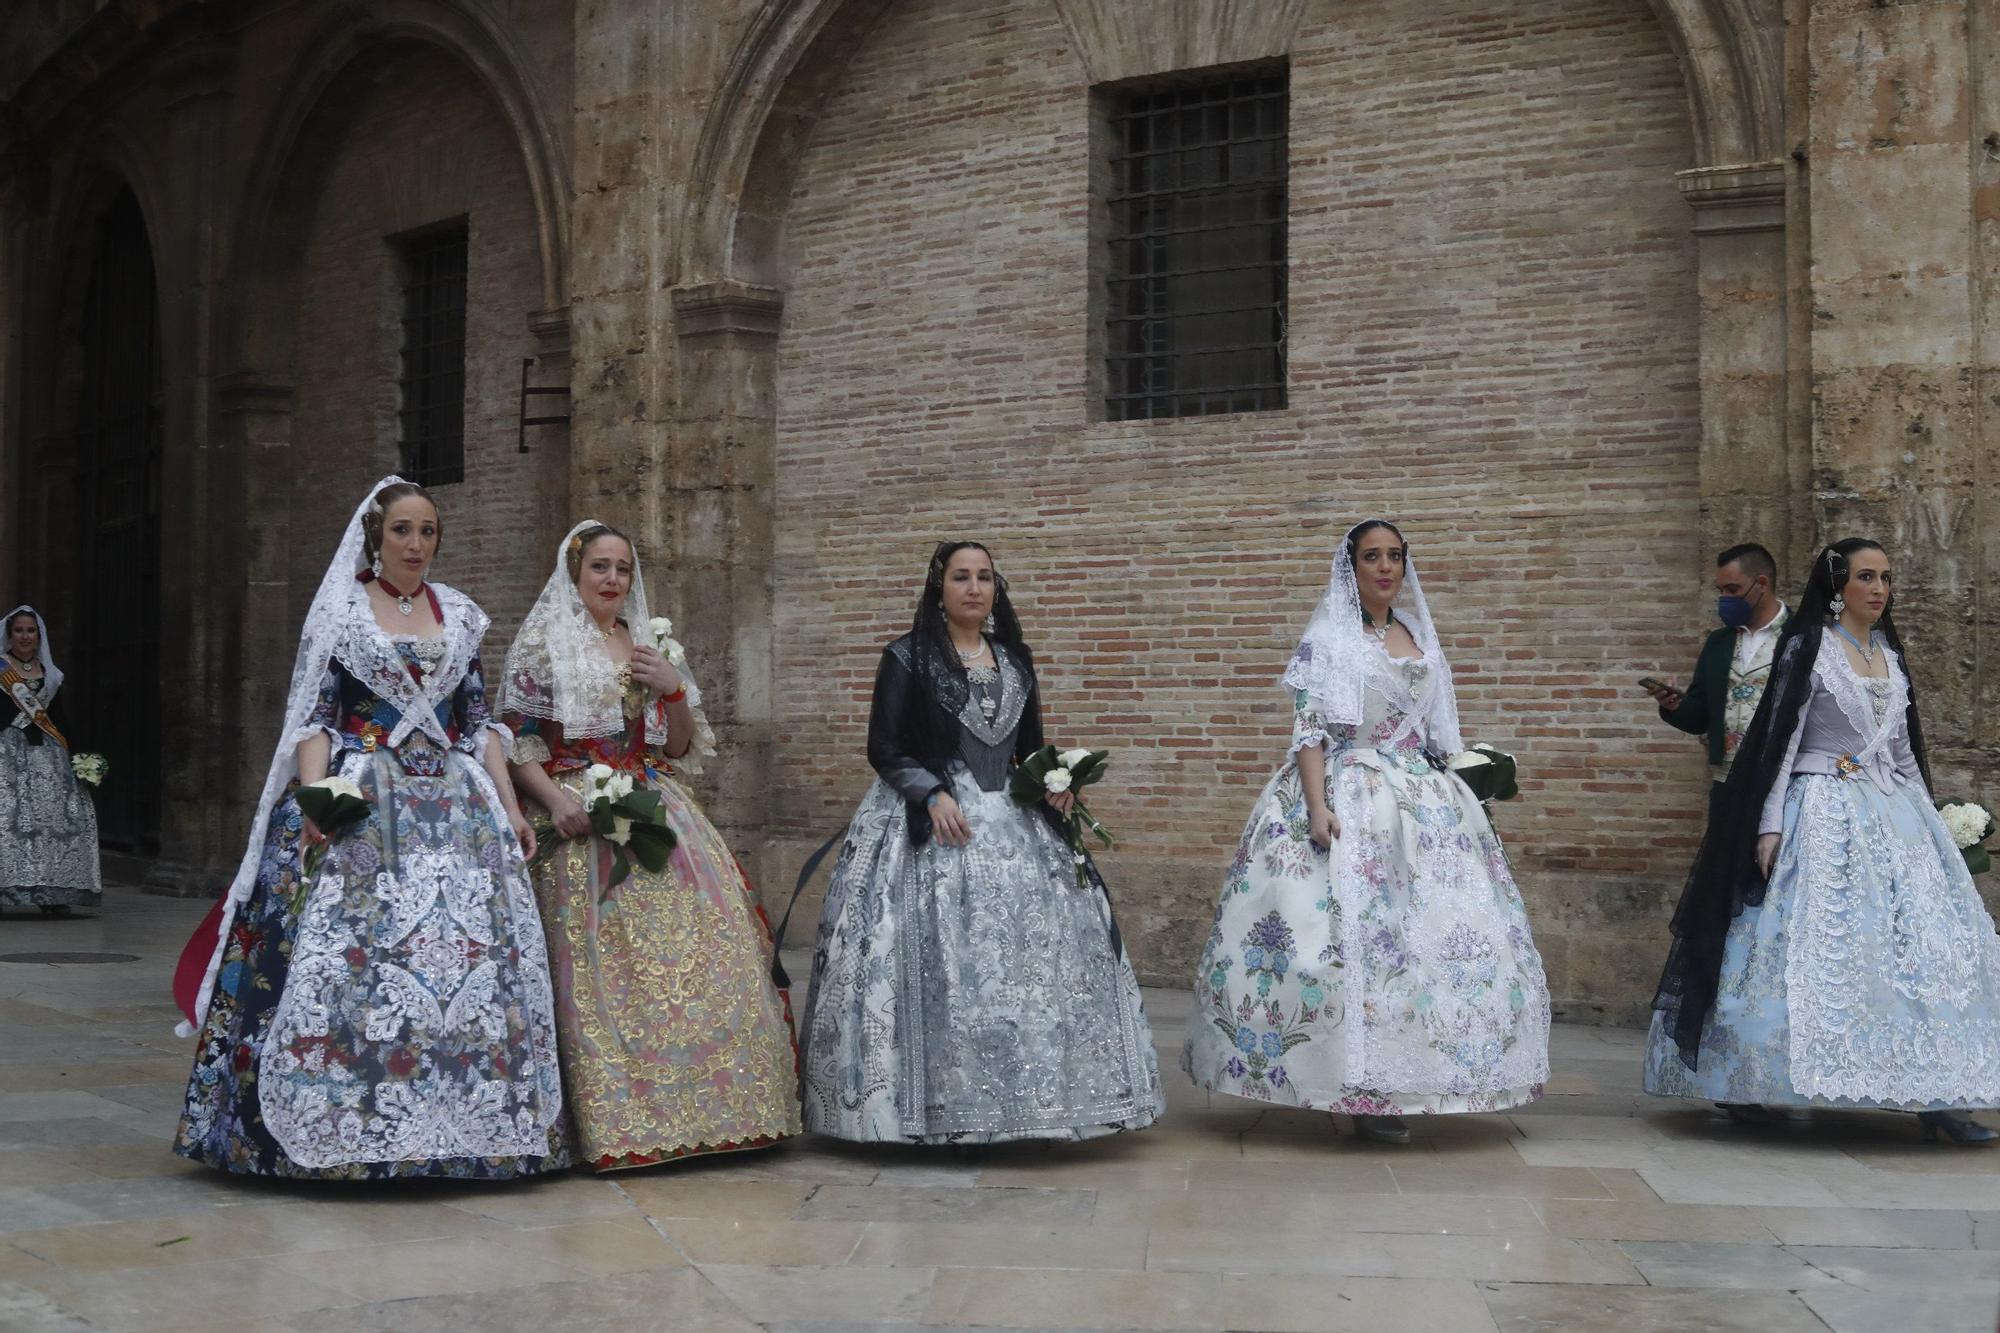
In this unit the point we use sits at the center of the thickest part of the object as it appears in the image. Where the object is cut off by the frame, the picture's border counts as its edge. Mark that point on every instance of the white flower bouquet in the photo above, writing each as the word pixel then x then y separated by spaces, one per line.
pixel 1050 772
pixel 89 768
pixel 1490 773
pixel 660 636
pixel 334 805
pixel 1970 825
pixel 628 817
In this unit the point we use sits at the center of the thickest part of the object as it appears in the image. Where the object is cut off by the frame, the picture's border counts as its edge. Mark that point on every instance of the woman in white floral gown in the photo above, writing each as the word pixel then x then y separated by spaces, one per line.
pixel 1370 953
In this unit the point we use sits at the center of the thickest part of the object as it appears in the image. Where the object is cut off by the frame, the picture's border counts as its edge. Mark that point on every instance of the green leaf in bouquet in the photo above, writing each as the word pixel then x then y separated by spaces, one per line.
pixel 1025 784
pixel 331 811
pixel 652 845
pixel 1977 860
pixel 1089 769
pixel 641 803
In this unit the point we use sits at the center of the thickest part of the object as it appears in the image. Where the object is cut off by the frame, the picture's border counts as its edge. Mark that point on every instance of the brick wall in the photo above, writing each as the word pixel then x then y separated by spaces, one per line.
pixel 419 144
pixel 1493 341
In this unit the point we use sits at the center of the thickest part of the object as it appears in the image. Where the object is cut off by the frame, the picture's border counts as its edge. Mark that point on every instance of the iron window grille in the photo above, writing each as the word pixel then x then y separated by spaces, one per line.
pixel 432 383
pixel 1196 274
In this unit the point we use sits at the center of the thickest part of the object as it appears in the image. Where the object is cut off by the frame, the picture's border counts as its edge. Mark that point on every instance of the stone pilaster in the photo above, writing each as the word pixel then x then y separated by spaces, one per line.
pixel 719 493
pixel 1749 476
pixel 1895 329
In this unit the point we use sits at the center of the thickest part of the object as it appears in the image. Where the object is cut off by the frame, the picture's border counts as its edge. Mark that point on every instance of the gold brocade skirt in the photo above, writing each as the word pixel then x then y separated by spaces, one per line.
pixel 673 1040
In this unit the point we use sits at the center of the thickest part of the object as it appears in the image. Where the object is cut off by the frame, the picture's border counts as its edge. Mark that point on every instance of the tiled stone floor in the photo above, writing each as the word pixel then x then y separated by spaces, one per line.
pixel 1598 1208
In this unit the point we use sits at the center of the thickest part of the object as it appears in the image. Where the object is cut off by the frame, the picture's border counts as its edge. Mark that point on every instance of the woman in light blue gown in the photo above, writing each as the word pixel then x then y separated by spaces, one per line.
pixel 1830 949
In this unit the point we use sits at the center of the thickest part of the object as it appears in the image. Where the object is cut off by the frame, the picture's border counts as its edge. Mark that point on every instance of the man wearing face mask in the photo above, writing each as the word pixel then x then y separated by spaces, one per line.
pixel 1735 662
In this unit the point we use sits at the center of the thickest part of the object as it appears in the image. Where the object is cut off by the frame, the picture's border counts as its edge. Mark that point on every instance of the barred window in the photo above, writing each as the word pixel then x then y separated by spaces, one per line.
pixel 1195 276
pixel 433 372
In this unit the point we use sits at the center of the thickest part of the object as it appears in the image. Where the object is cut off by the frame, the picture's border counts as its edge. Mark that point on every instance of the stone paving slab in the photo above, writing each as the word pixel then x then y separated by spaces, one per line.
pixel 1596 1208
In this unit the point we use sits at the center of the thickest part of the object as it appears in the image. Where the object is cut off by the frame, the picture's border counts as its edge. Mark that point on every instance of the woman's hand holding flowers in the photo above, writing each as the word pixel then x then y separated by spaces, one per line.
pixel 653 671
pixel 571 819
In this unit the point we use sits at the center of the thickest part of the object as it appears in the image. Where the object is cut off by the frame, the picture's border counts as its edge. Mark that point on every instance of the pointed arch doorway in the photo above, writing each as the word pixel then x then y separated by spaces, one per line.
pixel 116 695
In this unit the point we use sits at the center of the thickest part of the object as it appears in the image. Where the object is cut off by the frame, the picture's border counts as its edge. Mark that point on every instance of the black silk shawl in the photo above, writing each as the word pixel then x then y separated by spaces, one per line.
pixel 913 722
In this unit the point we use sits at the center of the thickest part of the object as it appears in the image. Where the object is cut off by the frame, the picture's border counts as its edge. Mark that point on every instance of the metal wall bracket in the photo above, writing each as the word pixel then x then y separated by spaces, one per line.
pixel 528 391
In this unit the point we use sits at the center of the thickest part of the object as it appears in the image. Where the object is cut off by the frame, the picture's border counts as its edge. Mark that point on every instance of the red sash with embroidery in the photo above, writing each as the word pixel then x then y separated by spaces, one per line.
pixel 23 693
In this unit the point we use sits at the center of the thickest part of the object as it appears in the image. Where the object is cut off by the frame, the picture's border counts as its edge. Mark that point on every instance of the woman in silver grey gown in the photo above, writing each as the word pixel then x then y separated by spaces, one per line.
pixel 48 826
pixel 965 989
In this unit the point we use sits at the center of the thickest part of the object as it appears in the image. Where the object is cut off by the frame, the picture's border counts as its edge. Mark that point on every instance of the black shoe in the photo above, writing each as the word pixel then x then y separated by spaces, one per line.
pixel 1749 1113
pixel 1958 1126
pixel 1382 1128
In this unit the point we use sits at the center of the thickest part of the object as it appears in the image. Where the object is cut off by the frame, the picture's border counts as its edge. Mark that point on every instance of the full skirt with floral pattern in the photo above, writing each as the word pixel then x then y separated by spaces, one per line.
pixel 392 1017
pixel 1393 974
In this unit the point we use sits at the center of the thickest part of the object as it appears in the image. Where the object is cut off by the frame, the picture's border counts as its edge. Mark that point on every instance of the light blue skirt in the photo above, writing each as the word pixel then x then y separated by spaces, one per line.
pixel 1869 977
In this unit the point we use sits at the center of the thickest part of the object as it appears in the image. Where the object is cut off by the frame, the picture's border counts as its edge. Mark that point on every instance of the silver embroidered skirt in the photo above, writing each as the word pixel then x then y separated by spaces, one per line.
pixel 970 995
pixel 48 828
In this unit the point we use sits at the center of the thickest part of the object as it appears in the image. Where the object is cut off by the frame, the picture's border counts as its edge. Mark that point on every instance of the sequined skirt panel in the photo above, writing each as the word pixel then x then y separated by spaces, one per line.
pixel 674 1042
pixel 48 828
pixel 970 995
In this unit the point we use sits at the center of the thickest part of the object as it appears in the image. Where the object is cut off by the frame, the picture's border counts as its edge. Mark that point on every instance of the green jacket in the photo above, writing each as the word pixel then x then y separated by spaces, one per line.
pixel 1704 705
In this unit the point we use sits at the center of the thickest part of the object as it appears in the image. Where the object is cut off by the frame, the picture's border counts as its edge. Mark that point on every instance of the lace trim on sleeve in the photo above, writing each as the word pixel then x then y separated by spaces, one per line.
pixel 530 748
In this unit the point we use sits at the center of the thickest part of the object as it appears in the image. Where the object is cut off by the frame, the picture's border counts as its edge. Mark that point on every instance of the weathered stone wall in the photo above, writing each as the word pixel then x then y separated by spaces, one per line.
pixel 1899 131
pixel 416 144
pixel 1493 340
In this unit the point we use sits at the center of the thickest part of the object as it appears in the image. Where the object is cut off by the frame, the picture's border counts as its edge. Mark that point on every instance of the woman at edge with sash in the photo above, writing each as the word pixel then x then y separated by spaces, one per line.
pixel 48 825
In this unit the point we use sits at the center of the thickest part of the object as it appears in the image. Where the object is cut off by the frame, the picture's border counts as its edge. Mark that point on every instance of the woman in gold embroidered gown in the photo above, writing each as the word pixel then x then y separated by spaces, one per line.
pixel 673 1040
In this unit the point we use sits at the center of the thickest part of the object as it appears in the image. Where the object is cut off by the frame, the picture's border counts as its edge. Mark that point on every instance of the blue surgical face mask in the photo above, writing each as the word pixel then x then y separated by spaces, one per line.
pixel 1735 612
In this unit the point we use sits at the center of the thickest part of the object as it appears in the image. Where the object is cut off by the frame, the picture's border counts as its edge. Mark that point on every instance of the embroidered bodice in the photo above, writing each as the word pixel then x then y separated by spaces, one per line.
pixel 540 740
pixel 989 722
pixel 1851 726
pixel 1391 722
pixel 357 718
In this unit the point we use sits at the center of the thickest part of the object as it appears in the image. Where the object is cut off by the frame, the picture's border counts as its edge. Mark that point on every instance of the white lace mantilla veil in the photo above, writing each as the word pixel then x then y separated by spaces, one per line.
pixel 341 625
pixel 557 667
pixel 52 675
pixel 1331 663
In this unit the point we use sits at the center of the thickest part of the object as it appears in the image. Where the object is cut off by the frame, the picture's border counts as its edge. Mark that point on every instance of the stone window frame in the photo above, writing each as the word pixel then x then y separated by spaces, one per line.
pixel 432 273
pixel 1148 317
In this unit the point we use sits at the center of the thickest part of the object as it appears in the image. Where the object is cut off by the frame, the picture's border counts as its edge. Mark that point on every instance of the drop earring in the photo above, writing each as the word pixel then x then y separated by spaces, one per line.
pixel 1838 606
pixel 375 566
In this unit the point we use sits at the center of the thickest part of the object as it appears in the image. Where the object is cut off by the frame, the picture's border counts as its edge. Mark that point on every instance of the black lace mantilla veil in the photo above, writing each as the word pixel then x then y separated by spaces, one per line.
pixel 913 721
pixel 1725 878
